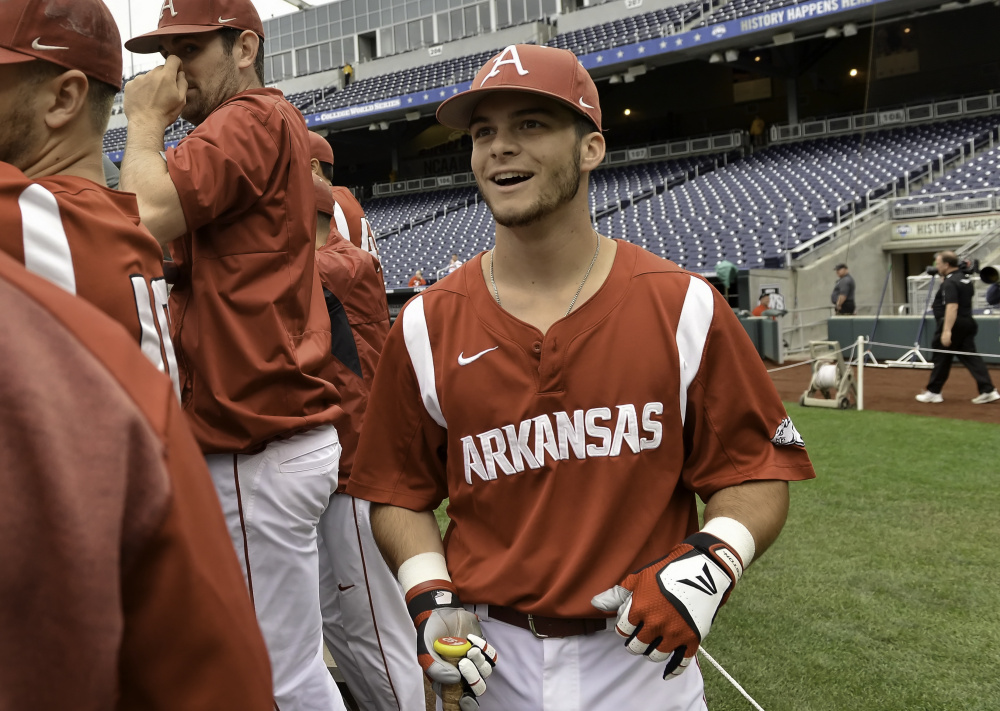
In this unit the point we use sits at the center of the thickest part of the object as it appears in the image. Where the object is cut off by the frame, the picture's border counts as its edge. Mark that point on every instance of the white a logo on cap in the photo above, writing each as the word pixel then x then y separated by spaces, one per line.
pixel 168 4
pixel 500 61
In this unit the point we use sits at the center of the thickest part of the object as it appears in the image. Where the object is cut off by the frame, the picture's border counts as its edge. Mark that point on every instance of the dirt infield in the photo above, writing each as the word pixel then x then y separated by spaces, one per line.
pixel 893 390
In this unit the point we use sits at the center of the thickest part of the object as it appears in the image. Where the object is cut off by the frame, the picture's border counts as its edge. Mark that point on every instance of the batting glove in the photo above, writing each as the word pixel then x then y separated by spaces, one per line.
pixel 666 609
pixel 437 612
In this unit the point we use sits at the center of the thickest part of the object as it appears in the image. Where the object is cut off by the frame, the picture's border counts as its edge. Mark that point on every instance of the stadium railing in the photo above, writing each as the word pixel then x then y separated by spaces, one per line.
pixel 961 202
pixel 716 143
pixel 875 214
pixel 890 118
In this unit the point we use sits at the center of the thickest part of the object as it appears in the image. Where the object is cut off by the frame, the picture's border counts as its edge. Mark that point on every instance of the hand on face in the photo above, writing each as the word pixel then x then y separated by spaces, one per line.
pixel 158 96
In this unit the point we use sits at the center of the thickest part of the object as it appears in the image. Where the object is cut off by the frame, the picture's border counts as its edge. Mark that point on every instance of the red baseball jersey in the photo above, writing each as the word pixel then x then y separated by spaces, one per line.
pixel 571 458
pixel 87 239
pixel 349 219
pixel 359 320
pixel 250 327
pixel 114 547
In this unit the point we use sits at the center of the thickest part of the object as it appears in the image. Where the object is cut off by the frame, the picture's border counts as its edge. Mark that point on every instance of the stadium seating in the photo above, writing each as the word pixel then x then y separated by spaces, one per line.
pixel 305 101
pixel 467 230
pixel 114 139
pixel 628 30
pixel 742 8
pixel 407 81
pixel 980 177
pixel 749 211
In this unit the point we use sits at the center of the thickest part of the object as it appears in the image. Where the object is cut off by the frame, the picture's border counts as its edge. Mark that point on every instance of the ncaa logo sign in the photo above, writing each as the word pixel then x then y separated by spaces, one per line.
pixel 718 31
pixel 903 230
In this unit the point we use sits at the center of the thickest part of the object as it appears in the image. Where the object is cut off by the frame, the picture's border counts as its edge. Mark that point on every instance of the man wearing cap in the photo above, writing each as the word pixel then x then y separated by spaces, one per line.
pixel 234 200
pixel 842 297
pixel 60 68
pixel 349 217
pixel 571 394
pixel 365 623
pixel 114 549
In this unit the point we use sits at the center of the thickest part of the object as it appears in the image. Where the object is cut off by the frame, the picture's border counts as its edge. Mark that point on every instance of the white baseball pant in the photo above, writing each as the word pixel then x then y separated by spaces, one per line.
pixel 273 502
pixel 580 673
pixel 365 622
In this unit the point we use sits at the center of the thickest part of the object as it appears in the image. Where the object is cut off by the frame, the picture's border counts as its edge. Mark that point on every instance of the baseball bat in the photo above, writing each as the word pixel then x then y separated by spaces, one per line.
pixel 451 650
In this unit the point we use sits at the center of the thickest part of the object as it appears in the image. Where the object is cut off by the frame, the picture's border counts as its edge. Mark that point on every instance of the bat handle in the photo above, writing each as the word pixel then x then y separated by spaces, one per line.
pixel 451 649
pixel 451 694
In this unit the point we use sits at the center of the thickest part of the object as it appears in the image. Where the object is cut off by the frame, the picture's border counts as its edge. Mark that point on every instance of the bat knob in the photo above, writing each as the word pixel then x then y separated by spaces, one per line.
pixel 452 648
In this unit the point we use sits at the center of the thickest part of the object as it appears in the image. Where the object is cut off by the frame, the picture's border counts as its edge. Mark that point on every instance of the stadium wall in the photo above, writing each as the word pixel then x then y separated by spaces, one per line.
pixel 537 32
pixel 609 12
pixel 308 82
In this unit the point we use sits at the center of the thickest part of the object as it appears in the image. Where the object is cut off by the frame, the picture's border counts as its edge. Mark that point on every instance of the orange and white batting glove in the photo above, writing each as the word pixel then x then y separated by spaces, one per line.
pixel 666 609
pixel 437 612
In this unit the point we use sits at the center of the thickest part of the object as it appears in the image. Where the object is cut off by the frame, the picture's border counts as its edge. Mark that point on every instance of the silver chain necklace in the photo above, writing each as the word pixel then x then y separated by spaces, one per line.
pixel 593 261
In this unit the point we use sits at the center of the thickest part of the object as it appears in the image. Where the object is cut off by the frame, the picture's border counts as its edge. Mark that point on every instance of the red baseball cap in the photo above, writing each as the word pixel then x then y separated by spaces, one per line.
pixel 76 34
pixel 320 149
pixel 324 197
pixel 547 71
pixel 191 17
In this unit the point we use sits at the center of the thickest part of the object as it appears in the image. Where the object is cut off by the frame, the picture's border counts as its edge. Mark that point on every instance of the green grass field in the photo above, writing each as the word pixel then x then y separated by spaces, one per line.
pixel 883 591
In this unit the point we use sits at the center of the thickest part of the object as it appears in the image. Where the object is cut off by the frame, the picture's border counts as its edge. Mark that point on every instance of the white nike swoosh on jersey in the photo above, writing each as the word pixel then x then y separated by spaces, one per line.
pixel 225 21
pixel 584 104
pixel 462 360
pixel 38 45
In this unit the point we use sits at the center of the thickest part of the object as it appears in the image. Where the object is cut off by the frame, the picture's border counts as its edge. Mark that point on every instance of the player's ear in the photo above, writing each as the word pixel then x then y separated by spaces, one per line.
pixel 592 147
pixel 65 98
pixel 246 49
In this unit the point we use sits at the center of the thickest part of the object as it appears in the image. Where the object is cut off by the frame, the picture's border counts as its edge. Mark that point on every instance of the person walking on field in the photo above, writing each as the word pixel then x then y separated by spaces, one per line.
pixel 955 331
pixel 235 202
pixel 607 375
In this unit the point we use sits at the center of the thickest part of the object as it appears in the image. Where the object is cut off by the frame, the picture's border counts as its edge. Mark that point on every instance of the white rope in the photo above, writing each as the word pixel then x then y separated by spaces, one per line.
pixel 825 356
pixel 934 350
pixel 730 679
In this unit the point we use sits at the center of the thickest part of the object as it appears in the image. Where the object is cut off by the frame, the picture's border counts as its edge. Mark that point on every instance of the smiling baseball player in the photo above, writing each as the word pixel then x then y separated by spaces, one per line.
pixel 60 68
pixel 235 202
pixel 571 394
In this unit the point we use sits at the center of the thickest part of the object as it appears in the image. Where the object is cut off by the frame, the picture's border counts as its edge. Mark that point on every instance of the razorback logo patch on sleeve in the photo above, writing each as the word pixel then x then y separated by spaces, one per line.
pixel 786 434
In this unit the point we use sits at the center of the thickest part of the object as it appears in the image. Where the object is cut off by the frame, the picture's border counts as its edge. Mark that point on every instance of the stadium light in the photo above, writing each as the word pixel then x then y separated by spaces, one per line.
pixel 715 58
pixel 788 37
pixel 831 33
pixel 732 55
pixel 628 112
pixel 615 79
pixel 850 29
pixel 628 78
pixel 412 115
pixel 853 72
